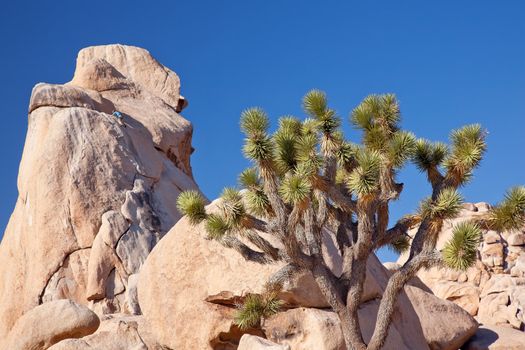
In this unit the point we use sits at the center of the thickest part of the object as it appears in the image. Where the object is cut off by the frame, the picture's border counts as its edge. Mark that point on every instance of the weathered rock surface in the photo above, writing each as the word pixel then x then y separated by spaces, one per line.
pixel 49 323
pixel 496 338
pixel 205 278
pixel 252 342
pixel 118 332
pixel 95 196
pixel 494 289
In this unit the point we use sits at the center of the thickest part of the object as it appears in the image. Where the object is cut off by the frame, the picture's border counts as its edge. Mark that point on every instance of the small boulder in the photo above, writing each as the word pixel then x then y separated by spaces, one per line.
pixel 252 342
pixel 49 323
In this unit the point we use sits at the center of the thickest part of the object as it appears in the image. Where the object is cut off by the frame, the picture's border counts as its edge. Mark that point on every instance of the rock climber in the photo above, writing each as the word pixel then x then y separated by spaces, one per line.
pixel 119 117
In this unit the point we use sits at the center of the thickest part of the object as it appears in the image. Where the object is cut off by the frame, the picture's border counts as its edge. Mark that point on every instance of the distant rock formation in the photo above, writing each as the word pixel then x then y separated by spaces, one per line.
pixel 494 289
pixel 95 194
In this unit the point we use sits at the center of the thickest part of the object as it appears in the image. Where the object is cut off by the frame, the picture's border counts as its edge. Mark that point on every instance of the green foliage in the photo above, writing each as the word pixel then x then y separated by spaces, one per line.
pixel 216 226
pixel 468 147
pixel 254 122
pixel 346 154
pixel 428 155
pixel 259 148
pixel 257 202
pixel 377 110
pixel 290 124
pixel 285 156
pixel 295 189
pixel 401 148
pixel 191 203
pixel 249 178
pixel 460 252
pixel 255 308
pixel 364 179
pixel 232 206
pixel 400 245
pixel 446 206
pixel 315 103
pixel 510 213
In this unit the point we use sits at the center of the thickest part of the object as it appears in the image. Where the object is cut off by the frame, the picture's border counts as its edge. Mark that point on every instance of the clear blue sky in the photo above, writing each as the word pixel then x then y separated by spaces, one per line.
pixel 449 62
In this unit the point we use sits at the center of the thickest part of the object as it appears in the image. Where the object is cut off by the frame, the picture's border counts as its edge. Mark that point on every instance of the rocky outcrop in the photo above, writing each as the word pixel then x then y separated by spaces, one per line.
pixel 95 194
pixel 117 332
pixel 496 338
pixel 49 323
pixel 201 277
pixel 494 289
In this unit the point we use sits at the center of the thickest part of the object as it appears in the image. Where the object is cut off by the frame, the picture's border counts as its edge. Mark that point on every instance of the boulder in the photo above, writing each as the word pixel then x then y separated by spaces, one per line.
pixel 205 278
pixel 252 342
pixel 95 196
pixel 446 326
pixel 496 338
pixel 462 294
pixel 49 323
pixel 118 332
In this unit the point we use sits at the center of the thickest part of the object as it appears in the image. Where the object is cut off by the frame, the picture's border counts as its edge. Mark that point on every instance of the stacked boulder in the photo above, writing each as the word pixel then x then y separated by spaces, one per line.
pixel 494 289
pixel 96 192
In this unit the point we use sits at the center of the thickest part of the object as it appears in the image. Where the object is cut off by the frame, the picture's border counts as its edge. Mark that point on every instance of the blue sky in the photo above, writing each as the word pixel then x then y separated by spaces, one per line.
pixel 449 62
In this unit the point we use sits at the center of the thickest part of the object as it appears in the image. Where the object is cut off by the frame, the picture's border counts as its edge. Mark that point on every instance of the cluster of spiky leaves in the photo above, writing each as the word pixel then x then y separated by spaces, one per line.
pixel 257 307
pixel 510 213
pixel 461 251
pixel 191 203
pixel 446 206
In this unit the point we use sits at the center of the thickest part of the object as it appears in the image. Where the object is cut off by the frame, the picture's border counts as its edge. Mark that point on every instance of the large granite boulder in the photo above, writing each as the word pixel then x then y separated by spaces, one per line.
pixel 198 276
pixel 95 193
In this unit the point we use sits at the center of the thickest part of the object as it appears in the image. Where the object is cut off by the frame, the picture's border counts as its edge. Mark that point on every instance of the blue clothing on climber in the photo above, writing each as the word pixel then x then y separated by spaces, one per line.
pixel 118 115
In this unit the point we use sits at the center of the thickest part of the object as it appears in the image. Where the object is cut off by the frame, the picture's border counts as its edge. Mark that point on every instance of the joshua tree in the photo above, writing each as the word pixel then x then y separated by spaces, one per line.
pixel 308 181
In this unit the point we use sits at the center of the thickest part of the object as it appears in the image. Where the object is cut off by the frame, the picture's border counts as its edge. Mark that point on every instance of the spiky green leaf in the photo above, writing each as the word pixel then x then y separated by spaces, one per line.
pixel 461 251
pixel 254 122
pixel 191 203
pixel 364 179
pixel 510 213
pixel 249 178
pixel 295 189
pixel 216 226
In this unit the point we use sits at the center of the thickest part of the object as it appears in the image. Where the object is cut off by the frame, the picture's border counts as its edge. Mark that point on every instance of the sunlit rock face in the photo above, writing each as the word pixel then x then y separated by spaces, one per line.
pixel 96 192
pixel 493 290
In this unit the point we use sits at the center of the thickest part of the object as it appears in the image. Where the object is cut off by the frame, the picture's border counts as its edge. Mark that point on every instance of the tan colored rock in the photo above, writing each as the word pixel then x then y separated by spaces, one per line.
pixel 78 165
pixel 49 323
pixel 497 284
pixel 496 338
pixel 205 278
pixel 116 333
pixel 252 342
pixel 516 239
pixel 493 309
pixel 446 326
pixel 195 270
pixel 462 294
pixel 491 237
pixel 304 328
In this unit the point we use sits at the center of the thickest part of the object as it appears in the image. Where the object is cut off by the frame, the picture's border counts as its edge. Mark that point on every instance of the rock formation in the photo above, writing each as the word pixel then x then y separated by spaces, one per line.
pixel 207 280
pixel 95 196
pixel 95 239
pixel 493 291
